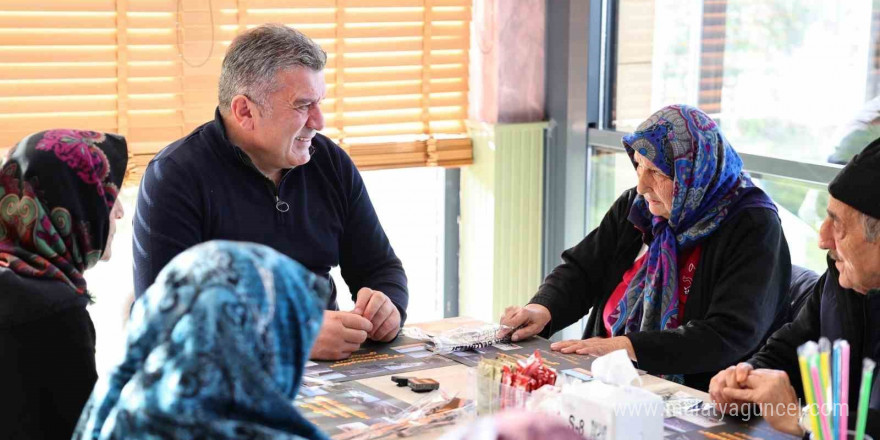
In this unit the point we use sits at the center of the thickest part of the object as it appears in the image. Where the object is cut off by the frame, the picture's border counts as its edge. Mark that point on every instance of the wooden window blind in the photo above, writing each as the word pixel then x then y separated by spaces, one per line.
pixel 148 69
pixel 714 27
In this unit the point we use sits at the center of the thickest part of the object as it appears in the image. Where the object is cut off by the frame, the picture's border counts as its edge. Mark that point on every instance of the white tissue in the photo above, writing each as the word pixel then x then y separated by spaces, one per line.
pixel 615 368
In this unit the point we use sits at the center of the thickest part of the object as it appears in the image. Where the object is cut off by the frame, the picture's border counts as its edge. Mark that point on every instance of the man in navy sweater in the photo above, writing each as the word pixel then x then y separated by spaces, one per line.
pixel 261 172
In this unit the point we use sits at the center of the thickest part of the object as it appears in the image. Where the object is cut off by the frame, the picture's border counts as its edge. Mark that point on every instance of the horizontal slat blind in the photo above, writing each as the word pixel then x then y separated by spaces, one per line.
pixel 148 69
pixel 712 55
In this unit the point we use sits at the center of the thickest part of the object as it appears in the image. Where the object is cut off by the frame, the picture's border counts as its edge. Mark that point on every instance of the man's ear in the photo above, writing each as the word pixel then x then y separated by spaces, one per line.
pixel 243 111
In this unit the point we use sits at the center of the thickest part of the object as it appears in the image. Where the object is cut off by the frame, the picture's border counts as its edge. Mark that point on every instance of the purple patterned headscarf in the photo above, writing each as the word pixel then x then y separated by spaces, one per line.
pixel 709 187
pixel 57 188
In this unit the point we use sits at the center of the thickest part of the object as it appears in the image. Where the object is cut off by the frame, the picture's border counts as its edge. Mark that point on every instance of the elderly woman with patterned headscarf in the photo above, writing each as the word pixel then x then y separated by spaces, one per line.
pixel 58 205
pixel 216 349
pixel 688 271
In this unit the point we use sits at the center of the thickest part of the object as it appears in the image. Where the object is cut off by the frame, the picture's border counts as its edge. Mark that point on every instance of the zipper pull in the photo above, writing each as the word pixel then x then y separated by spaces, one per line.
pixel 281 205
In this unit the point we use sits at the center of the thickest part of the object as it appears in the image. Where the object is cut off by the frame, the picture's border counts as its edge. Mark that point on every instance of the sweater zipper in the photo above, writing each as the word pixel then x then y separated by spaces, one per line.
pixel 280 205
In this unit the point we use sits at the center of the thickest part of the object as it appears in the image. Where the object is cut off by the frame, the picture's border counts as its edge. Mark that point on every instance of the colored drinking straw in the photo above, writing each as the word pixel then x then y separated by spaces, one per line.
pixel 836 379
pixel 825 377
pixel 805 352
pixel 825 433
pixel 844 387
pixel 864 393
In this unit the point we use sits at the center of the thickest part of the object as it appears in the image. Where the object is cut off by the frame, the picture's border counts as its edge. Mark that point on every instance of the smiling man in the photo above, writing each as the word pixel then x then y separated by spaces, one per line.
pixel 260 172
pixel 845 304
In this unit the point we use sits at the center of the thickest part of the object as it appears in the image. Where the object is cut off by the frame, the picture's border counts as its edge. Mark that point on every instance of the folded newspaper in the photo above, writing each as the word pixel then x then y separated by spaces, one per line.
pixel 462 339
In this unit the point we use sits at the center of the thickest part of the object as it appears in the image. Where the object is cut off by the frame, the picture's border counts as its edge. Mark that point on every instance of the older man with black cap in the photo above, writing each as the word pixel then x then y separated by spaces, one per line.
pixel 845 304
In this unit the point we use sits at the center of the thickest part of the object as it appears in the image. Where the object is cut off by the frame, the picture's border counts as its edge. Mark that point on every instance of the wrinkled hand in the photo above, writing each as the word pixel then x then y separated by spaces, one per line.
pixel 734 377
pixel 533 318
pixel 377 308
pixel 341 334
pixel 595 346
pixel 772 390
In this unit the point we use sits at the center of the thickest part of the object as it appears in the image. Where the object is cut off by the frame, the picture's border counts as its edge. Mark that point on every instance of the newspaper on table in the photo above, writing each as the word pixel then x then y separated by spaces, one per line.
pixel 462 339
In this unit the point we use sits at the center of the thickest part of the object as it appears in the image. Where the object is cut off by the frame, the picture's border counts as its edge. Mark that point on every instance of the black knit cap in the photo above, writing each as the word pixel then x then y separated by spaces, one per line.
pixel 858 183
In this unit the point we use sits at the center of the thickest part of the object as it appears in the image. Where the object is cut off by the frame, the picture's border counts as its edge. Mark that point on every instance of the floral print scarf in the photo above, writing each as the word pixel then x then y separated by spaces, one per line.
pixel 709 187
pixel 57 188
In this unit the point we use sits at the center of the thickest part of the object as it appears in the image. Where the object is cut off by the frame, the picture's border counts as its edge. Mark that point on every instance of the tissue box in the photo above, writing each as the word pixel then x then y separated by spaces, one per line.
pixel 599 411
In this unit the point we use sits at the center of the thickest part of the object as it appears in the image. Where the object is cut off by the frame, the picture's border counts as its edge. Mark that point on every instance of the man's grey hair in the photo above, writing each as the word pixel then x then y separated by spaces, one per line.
pixel 255 58
pixel 872 227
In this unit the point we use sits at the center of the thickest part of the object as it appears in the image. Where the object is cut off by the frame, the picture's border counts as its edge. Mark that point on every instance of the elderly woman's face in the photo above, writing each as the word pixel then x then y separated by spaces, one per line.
pixel 654 186
pixel 115 214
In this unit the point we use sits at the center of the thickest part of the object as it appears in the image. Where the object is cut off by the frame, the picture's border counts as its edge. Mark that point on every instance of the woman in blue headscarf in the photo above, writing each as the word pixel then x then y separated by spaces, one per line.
pixel 216 349
pixel 688 271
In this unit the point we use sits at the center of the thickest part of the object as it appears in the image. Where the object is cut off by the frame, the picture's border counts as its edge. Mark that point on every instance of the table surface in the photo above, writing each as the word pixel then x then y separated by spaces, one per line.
pixel 458 379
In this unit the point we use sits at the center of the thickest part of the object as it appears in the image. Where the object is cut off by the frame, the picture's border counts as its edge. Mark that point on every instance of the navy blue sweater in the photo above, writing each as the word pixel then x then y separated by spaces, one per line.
pixel 202 188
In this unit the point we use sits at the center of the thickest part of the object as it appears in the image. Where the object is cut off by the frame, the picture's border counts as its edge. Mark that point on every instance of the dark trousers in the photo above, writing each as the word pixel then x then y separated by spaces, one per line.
pixel 47 371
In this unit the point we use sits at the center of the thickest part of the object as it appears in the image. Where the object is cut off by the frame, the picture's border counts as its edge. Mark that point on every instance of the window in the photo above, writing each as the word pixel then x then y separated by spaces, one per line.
pixel 793 84
pixel 412 216
pixel 784 78
pixel 147 69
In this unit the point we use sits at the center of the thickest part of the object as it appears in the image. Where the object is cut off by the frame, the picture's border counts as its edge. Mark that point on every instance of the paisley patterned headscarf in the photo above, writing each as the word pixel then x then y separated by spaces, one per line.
pixel 709 187
pixel 57 188
pixel 215 349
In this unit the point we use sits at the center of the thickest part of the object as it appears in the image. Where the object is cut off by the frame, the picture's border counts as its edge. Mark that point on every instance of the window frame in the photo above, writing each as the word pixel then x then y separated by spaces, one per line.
pixel 581 66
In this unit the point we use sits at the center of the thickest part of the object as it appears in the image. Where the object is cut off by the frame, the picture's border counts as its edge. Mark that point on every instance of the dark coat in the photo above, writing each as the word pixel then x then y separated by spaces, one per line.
pixel 835 313
pixel 738 298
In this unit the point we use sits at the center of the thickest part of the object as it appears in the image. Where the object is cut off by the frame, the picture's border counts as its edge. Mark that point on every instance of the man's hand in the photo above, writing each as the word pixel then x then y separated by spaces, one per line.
pixel 341 334
pixel 375 307
pixel 734 377
pixel 595 346
pixel 533 318
pixel 772 390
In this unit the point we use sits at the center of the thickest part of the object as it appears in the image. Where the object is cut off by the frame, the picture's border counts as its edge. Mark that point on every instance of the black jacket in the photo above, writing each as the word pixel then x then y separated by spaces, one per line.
pixel 738 297
pixel 202 188
pixel 47 357
pixel 835 313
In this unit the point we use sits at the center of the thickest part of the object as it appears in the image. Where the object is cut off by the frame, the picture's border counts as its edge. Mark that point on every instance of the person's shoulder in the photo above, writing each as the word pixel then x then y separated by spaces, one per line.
pixel 624 202
pixel 328 151
pixel 749 226
pixel 189 149
pixel 755 217
pixel 27 299
pixel 185 156
pixel 749 229
pixel 13 281
pixel 331 159
pixel 627 197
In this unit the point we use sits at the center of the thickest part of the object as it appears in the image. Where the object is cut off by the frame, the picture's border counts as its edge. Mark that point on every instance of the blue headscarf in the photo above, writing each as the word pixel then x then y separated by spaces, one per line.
pixel 709 187
pixel 216 349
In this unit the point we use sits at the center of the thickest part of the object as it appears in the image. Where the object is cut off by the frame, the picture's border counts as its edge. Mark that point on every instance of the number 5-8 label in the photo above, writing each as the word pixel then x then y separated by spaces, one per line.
pixel 596 431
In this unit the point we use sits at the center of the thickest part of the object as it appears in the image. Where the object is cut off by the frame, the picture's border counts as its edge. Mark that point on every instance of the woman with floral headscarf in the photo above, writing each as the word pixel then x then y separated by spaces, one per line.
pixel 216 349
pixel 58 205
pixel 688 272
